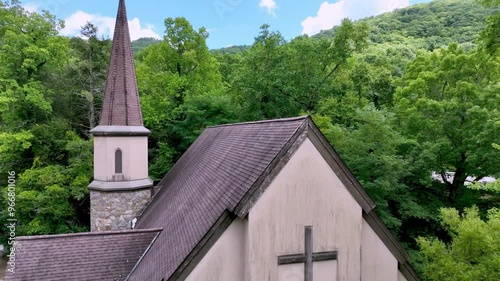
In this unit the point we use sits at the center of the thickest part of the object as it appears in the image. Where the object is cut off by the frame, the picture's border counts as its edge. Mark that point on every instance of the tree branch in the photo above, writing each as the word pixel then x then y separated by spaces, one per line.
pixel 326 78
pixel 443 89
pixel 444 177
pixel 289 95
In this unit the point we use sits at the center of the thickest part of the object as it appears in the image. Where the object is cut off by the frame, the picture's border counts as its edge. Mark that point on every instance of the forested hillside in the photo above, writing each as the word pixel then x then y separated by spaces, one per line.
pixel 428 25
pixel 142 43
pixel 399 96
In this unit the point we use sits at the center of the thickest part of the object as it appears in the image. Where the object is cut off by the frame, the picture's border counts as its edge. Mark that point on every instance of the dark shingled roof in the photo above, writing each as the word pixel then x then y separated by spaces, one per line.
pixel 212 176
pixel 87 256
pixel 121 105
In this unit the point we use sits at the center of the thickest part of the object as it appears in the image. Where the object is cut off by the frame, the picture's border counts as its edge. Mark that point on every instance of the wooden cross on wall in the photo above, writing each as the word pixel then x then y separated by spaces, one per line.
pixel 308 257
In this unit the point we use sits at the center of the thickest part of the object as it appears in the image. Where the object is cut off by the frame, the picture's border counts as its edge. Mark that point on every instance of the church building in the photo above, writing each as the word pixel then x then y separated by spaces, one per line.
pixel 259 201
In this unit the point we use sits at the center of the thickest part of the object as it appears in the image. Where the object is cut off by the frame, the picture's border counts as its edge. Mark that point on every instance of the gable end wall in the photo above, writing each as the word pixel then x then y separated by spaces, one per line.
pixel 306 192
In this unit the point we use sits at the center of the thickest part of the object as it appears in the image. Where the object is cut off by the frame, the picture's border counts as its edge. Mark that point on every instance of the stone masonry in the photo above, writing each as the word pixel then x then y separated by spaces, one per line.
pixel 115 210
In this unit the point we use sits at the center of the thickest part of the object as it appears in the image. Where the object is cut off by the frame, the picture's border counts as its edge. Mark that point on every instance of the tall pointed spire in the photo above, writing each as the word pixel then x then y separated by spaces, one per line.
pixel 121 105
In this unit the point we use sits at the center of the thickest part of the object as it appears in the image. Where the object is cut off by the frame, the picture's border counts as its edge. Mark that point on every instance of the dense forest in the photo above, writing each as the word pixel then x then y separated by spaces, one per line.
pixel 400 96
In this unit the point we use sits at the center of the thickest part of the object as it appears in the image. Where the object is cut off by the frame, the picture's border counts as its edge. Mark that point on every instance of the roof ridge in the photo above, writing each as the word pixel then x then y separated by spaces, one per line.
pixel 80 234
pixel 262 121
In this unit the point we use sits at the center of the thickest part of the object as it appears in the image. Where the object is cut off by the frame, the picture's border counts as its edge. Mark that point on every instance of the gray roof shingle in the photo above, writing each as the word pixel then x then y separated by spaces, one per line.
pixel 212 176
pixel 99 256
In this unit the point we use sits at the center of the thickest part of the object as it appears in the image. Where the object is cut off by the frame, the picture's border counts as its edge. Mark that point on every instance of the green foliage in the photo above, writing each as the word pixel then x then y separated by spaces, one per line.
pixel 51 191
pixel 44 201
pixel 473 253
pixel 489 35
pixel 198 112
pixel 48 143
pixel 449 104
pixel 142 43
pixel 162 159
pixel 232 50
pixel 492 186
pixel 84 79
pixel 181 92
pixel 23 104
pixel 30 50
pixel 370 145
pixel 14 149
pixel 37 140
pixel 29 43
pixel 276 79
pixel 428 26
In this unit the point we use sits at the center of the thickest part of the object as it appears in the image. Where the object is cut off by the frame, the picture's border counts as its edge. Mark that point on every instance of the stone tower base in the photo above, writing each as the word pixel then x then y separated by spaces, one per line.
pixel 115 210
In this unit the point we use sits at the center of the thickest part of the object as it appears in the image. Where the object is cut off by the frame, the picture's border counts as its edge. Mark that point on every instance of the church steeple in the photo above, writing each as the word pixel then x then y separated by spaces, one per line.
pixel 121 187
pixel 121 105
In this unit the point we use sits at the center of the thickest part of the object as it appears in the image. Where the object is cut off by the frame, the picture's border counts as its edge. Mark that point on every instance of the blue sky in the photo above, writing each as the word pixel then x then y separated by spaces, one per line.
pixel 230 22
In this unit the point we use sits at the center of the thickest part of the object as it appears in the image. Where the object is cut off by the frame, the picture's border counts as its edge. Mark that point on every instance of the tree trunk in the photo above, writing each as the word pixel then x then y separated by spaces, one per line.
pixel 458 179
pixel 91 114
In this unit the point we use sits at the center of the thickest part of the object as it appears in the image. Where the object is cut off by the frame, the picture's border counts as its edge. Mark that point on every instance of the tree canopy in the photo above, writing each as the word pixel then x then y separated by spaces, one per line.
pixel 474 250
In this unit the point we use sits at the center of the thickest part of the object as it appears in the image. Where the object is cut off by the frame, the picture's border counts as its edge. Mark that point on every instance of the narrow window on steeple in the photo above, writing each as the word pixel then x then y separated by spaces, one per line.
pixel 118 162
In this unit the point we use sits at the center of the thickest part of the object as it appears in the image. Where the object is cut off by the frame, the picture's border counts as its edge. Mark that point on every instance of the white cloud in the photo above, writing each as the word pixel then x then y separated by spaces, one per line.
pixel 137 31
pixel 106 26
pixel 331 14
pixel 270 5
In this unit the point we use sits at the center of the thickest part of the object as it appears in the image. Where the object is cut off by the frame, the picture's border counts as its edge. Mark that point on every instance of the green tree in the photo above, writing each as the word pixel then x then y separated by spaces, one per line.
pixel 177 67
pixel 85 78
pixel 289 78
pixel 53 164
pixel 489 36
pixel 52 193
pixel 429 26
pixel 473 254
pixel 53 198
pixel 492 186
pixel 448 102
pixel 372 149
pixel 181 92
pixel 258 83
pixel 30 50
pixel 368 75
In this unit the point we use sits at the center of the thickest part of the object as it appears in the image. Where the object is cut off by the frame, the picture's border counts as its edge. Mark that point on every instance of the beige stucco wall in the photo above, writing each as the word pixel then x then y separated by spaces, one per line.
pixel 306 192
pixel 377 262
pixel 401 277
pixel 135 157
pixel 225 260
pixel 322 270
